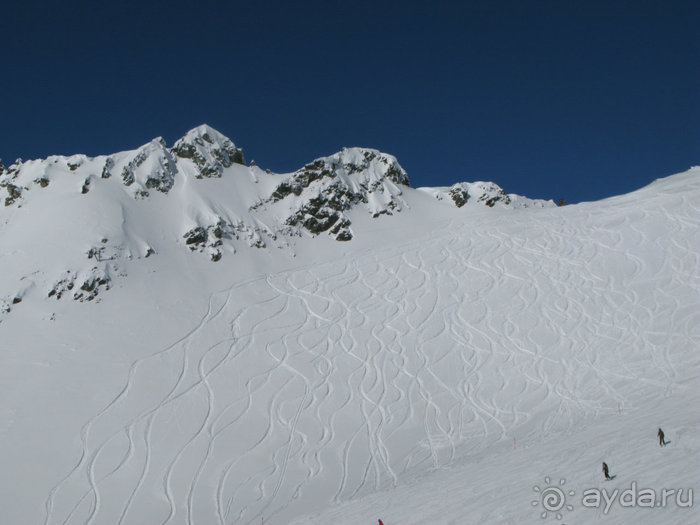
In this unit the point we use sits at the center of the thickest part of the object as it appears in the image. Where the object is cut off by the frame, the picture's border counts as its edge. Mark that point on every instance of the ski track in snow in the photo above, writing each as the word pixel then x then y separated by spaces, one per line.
pixel 340 379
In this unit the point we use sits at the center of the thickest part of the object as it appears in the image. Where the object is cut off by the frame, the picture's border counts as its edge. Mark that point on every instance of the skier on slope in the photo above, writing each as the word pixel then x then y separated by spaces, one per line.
pixel 380 522
pixel 605 471
pixel 662 440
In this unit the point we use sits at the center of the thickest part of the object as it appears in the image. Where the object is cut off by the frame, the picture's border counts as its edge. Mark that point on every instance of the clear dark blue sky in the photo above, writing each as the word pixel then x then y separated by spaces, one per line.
pixel 579 100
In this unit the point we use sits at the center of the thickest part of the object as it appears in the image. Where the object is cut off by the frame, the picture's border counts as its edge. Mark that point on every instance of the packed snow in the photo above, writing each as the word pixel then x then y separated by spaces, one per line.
pixel 445 363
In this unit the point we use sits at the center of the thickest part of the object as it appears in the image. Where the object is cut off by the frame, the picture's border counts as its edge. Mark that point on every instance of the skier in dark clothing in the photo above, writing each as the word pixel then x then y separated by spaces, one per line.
pixel 662 441
pixel 605 470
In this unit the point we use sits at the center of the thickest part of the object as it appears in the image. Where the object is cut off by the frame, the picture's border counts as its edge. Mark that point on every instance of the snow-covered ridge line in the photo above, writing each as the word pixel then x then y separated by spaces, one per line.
pixel 197 196
pixel 153 166
pixel 487 193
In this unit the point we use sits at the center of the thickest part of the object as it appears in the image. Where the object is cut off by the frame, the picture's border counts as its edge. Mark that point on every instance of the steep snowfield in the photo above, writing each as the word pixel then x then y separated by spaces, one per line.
pixel 434 369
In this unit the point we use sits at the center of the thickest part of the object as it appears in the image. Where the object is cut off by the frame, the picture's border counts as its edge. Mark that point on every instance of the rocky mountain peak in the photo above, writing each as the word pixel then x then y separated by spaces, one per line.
pixel 210 151
pixel 371 163
pixel 319 194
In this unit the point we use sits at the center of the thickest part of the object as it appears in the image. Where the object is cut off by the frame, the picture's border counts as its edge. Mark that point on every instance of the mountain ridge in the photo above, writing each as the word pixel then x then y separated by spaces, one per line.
pixel 200 195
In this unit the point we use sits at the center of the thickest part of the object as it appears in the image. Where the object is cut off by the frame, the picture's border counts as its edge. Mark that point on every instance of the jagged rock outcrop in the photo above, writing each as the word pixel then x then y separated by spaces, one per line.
pixel 153 167
pixel 323 190
pixel 210 238
pixel 484 193
pixel 109 164
pixel 210 151
pixel 13 193
pixel 82 285
pixel 7 181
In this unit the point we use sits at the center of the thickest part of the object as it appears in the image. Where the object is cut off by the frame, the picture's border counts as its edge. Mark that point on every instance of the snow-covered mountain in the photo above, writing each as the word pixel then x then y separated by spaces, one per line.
pixel 187 339
pixel 78 218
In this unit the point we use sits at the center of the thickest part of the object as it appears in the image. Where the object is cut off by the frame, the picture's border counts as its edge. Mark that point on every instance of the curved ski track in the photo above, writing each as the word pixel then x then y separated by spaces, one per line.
pixel 341 378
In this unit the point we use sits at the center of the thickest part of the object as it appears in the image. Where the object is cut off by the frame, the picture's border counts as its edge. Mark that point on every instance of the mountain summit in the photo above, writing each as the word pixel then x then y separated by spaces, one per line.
pixel 209 150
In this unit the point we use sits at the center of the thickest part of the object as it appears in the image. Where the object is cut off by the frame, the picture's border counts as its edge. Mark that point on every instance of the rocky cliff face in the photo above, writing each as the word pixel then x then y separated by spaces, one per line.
pixel 210 151
pixel 320 193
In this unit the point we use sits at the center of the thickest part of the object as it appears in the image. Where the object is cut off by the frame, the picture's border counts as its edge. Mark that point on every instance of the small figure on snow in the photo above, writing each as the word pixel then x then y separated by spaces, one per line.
pixel 662 440
pixel 605 471
pixel 380 522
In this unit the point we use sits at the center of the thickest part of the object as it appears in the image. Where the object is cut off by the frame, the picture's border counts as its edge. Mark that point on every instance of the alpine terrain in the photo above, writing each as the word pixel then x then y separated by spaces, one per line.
pixel 186 338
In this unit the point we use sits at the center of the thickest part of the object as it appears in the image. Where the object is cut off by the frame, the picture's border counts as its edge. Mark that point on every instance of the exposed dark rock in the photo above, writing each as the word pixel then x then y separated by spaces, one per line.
pixel 91 286
pixel 184 150
pixel 341 230
pixel 321 212
pixel 15 168
pixel 491 201
pixel 195 236
pixel 344 235
pixel 128 170
pixel 109 164
pixel 487 194
pixel 339 182
pixel 152 182
pixel 210 151
pixel 127 176
pixel 459 195
pixel 161 177
pixel 14 192
pixel 210 239
pixel 286 188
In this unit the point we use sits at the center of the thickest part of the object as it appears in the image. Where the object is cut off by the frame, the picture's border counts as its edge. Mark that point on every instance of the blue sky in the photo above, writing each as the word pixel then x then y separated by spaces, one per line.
pixel 573 100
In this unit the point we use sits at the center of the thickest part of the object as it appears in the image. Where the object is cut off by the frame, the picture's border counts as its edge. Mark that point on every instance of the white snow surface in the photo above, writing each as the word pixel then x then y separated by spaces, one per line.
pixel 434 369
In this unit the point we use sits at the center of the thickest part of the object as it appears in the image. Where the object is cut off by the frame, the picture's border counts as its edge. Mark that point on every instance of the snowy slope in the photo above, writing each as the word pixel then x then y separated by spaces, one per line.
pixel 297 378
